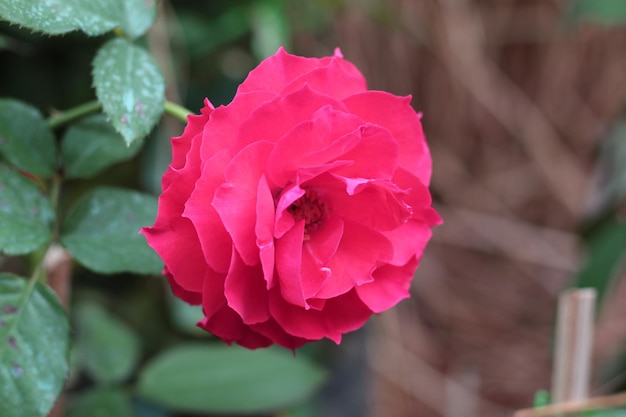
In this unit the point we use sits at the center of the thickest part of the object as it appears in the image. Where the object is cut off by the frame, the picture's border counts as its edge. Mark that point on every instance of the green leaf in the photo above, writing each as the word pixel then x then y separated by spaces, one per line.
pixel 34 347
pixel 108 348
pixel 25 214
pixel 54 17
pixel 102 402
pixel 611 162
pixel 136 16
pixel 185 316
pixel 605 255
pixel 102 231
pixel 605 413
pixel 222 379
pixel 608 12
pixel 91 145
pixel 25 140
pixel 130 87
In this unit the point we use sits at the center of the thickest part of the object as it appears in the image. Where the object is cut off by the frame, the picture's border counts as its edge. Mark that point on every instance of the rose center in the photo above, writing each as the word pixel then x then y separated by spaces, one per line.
pixel 310 209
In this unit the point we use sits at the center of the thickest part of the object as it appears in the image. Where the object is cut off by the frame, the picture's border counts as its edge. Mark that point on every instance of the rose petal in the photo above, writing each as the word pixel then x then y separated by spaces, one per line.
pixel 372 204
pixel 408 240
pixel 274 118
pixel 359 253
pixel 190 297
pixel 235 200
pixel 195 126
pixel 173 237
pixel 289 264
pixel 264 230
pixel 273 331
pixel 245 291
pixel 338 79
pixel 221 131
pixel 229 327
pixel 340 315
pixel 375 155
pixel 313 143
pixel 396 115
pixel 390 286
pixel 284 220
pixel 213 298
pixel 214 240
pixel 283 69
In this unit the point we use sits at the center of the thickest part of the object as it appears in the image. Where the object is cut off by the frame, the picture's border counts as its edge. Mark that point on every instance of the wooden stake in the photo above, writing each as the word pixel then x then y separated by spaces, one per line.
pixel 574 336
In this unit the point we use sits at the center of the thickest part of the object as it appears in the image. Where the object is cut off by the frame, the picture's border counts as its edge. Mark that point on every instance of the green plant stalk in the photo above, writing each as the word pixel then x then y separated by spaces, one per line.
pixel 177 111
pixel 68 116
pixel 74 113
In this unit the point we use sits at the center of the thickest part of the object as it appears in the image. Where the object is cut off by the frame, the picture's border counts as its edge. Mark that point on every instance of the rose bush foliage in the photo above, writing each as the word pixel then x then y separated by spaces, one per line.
pixel 299 209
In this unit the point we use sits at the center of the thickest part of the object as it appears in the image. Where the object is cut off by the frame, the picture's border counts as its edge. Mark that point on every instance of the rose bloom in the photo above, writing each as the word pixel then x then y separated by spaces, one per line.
pixel 299 209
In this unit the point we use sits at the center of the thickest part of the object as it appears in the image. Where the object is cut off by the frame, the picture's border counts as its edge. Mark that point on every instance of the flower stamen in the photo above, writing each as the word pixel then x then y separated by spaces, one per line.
pixel 311 209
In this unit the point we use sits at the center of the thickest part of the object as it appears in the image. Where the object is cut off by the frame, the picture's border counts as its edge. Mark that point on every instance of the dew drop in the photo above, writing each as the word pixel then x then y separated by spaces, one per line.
pixel 124 119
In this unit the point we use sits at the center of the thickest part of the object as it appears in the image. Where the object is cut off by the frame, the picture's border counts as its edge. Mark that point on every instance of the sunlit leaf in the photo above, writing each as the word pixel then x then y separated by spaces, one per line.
pixel 34 348
pixel 25 140
pixel 54 17
pixel 102 231
pixel 25 214
pixel 221 379
pixel 130 87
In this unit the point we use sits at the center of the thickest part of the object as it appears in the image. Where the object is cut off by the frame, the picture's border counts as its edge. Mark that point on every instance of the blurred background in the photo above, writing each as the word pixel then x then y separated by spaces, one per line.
pixel 523 104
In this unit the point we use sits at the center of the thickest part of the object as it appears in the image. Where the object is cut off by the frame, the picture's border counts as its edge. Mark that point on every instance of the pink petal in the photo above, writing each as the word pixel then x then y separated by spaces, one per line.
pixel 213 298
pixel 282 69
pixel 194 127
pixel 338 79
pixel 396 115
pixel 173 237
pixel 284 220
pixel 359 253
pixel 177 245
pixel 391 285
pixel 215 242
pixel 235 200
pixel 312 143
pixel 340 315
pixel 245 291
pixel 271 120
pixel 221 130
pixel 375 155
pixel 408 240
pixel 289 264
pixel 373 204
pixel 264 230
pixel 229 327
pixel 190 297
pixel 273 331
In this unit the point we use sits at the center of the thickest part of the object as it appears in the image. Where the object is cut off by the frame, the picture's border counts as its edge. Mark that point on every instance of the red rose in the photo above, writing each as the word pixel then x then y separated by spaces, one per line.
pixel 299 209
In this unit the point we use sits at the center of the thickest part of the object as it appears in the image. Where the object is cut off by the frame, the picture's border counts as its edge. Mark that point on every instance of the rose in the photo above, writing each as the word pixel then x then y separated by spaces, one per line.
pixel 298 210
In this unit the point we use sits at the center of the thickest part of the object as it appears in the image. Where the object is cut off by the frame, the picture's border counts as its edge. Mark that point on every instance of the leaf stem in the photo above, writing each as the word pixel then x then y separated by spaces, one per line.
pixel 74 113
pixel 177 111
